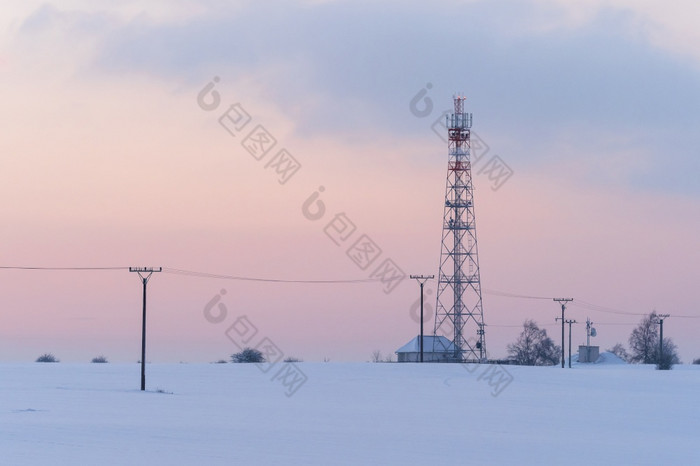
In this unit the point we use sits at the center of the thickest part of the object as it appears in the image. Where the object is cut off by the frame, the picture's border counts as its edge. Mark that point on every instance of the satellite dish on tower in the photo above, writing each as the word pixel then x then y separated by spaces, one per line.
pixel 593 332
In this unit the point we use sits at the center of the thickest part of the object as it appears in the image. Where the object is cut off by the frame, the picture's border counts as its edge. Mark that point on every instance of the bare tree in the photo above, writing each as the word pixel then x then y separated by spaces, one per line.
pixel 644 344
pixel 644 341
pixel 376 356
pixel 619 351
pixel 533 347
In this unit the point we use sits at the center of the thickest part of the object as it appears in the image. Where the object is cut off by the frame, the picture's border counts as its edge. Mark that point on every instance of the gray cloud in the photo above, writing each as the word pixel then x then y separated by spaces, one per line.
pixel 376 56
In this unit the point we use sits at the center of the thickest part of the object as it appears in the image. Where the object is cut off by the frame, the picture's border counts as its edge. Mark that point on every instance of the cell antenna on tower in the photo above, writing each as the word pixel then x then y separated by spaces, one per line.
pixel 459 314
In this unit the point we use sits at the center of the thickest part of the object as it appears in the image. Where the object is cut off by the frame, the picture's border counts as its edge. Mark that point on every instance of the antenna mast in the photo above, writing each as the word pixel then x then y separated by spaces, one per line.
pixel 459 314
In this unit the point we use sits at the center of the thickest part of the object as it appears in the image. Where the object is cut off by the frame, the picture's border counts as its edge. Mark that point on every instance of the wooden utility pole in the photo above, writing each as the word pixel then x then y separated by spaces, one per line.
pixel 563 302
pixel 570 322
pixel 660 321
pixel 421 279
pixel 144 274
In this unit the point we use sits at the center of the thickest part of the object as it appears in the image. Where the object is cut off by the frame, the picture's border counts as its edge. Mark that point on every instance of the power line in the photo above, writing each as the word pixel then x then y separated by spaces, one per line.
pixel 617 323
pixel 191 273
pixel 597 308
pixel 578 303
pixel 583 305
pixel 506 294
pixel 11 267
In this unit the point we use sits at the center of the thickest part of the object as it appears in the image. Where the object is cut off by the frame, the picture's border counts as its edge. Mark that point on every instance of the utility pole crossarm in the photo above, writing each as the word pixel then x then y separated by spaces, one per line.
pixel 145 272
pixel 422 278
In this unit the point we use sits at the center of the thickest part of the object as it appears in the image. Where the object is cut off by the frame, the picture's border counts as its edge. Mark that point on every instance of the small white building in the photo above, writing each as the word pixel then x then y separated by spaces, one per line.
pixel 435 349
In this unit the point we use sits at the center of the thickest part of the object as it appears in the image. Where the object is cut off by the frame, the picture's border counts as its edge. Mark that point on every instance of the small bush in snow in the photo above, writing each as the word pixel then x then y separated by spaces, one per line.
pixel 248 355
pixel 669 356
pixel 99 360
pixel 665 363
pixel 292 359
pixel 47 357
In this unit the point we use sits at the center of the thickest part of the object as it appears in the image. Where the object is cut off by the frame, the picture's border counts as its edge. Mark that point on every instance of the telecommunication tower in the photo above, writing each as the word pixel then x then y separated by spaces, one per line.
pixel 459 314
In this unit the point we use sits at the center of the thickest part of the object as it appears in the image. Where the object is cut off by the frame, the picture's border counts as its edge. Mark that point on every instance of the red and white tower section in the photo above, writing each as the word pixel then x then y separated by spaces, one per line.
pixel 459 314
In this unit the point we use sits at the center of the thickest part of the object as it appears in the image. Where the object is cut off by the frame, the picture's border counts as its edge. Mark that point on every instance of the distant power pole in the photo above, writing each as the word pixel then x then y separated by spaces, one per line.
pixel 144 274
pixel 563 302
pixel 562 345
pixel 660 321
pixel 570 322
pixel 421 279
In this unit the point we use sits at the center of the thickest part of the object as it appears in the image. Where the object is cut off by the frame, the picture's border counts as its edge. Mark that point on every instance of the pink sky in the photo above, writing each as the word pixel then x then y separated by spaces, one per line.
pixel 124 169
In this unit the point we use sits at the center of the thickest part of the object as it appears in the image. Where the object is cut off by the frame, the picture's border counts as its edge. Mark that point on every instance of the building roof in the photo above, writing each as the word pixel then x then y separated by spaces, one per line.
pixel 440 343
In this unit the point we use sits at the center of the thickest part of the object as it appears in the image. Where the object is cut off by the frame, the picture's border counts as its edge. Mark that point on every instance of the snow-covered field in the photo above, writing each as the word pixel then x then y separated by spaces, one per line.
pixel 348 413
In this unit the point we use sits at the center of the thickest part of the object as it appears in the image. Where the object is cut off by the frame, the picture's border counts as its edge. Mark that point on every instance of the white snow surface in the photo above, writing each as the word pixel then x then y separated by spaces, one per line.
pixel 348 414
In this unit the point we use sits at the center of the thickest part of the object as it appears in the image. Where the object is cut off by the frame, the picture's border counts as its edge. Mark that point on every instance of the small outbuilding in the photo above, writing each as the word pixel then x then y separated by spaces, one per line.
pixel 588 353
pixel 435 349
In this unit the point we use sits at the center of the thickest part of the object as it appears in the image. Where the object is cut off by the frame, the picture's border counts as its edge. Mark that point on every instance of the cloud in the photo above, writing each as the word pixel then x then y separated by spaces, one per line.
pixel 671 26
pixel 539 75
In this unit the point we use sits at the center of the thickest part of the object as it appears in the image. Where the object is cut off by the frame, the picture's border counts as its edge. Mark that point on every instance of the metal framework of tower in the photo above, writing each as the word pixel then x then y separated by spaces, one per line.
pixel 459 314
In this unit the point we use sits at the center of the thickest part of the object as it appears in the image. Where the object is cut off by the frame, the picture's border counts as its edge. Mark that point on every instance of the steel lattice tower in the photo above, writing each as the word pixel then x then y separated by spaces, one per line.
pixel 459 314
